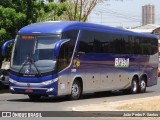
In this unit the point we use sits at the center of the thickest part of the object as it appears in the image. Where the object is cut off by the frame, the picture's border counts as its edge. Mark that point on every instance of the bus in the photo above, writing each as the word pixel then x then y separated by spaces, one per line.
pixel 157 33
pixel 73 58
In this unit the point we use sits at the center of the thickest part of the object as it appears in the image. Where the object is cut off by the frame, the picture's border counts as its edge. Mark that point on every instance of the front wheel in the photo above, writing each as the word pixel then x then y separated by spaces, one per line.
pixel 76 90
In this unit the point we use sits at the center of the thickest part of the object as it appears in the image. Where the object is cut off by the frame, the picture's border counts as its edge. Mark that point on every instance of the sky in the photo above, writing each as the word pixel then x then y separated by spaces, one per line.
pixel 125 13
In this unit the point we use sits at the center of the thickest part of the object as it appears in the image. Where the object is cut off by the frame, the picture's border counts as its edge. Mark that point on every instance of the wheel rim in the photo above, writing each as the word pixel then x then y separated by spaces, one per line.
pixel 134 86
pixel 75 90
pixel 143 85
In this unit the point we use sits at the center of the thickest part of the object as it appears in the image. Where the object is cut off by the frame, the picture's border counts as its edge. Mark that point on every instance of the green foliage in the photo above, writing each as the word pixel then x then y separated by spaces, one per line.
pixel 3 35
pixel 6 3
pixel 53 11
pixel 62 1
pixel 10 22
pixel 49 7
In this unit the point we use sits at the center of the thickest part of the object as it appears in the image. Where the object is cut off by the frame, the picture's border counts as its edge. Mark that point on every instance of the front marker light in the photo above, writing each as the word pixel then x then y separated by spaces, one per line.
pixel 49 81
pixel 50 89
pixel 11 88
pixel 12 81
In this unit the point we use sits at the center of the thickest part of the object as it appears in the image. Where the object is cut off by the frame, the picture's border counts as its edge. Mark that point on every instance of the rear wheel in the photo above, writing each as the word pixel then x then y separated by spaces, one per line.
pixel 34 97
pixel 142 86
pixel 76 90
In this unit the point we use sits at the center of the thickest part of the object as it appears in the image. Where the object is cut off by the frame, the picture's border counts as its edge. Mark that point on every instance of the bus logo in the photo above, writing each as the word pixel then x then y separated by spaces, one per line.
pixel 121 62
pixel 27 70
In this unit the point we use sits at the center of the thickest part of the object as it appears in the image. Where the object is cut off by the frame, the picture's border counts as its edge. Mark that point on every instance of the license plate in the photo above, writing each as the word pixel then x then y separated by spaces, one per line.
pixel 29 90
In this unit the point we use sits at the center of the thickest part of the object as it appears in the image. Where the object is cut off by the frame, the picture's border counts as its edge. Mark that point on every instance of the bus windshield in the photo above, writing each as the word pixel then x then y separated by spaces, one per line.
pixel 34 54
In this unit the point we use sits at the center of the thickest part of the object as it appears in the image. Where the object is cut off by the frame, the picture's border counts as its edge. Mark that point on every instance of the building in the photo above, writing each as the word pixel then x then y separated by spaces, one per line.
pixel 145 28
pixel 157 32
pixel 148 14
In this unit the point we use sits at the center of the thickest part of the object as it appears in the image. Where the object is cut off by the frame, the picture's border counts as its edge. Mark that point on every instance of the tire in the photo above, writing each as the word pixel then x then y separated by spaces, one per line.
pixel 0 85
pixel 34 97
pixel 76 90
pixel 134 86
pixel 142 86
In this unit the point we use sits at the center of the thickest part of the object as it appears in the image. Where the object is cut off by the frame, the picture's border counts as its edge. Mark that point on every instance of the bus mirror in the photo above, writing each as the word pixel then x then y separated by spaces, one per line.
pixel 4 46
pixel 58 46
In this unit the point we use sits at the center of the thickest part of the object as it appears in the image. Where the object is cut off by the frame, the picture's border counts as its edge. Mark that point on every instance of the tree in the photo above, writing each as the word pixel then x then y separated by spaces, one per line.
pixel 53 11
pixel 74 10
pixel 31 8
pixel 3 35
pixel 10 22
pixel 80 9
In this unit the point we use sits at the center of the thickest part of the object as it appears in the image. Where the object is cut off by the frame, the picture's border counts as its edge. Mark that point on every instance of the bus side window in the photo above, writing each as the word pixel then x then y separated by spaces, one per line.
pixel 86 43
pixel 62 59
pixel 67 49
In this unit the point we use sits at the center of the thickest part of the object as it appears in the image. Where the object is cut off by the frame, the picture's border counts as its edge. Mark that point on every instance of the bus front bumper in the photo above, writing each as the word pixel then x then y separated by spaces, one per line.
pixel 49 87
pixel 36 91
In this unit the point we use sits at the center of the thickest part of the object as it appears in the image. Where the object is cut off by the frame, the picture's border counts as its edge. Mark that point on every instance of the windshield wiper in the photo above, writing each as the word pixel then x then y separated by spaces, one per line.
pixel 29 61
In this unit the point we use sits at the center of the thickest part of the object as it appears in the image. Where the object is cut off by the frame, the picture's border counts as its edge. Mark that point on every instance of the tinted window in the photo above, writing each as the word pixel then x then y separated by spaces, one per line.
pixel 86 42
pixel 99 42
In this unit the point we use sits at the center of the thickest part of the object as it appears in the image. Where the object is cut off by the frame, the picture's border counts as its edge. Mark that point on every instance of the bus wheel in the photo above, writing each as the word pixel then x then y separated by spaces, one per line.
pixel 34 97
pixel 76 90
pixel 134 86
pixel 142 86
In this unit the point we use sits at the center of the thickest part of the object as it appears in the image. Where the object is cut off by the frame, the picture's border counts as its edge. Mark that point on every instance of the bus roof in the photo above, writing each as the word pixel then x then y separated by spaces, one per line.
pixel 56 27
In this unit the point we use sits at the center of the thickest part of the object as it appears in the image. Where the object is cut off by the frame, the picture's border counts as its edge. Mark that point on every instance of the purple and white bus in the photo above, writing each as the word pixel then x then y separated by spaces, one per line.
pixel 73 58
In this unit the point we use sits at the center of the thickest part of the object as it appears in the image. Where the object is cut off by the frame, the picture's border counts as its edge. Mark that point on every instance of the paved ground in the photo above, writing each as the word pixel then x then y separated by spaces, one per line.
pixel 11 102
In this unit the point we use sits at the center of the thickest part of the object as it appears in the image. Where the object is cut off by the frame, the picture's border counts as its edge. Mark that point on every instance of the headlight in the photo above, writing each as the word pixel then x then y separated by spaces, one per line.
pixel 12 81
pixel 50 81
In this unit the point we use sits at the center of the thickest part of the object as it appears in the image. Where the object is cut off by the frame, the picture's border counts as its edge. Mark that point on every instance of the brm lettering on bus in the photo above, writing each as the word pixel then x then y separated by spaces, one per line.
pixel 121 62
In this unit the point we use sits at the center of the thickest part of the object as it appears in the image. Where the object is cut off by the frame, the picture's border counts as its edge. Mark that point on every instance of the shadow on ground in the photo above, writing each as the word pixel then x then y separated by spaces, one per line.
pixel 4 89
